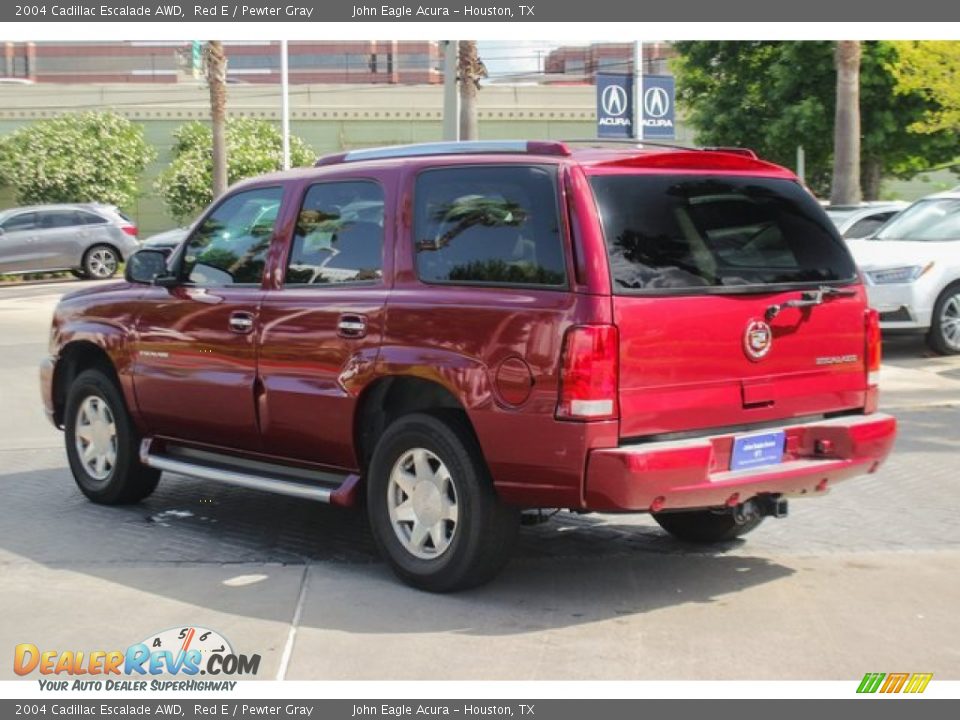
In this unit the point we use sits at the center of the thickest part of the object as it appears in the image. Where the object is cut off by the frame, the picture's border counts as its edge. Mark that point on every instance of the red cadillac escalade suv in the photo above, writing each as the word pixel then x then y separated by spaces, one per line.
pixel 455 333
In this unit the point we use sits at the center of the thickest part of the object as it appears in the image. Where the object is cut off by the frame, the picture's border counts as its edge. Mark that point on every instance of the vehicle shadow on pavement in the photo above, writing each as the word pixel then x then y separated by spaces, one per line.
pixel 197 536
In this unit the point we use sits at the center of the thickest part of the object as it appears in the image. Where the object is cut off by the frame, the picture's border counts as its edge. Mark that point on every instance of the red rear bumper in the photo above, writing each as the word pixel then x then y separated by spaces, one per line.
pixel 695 473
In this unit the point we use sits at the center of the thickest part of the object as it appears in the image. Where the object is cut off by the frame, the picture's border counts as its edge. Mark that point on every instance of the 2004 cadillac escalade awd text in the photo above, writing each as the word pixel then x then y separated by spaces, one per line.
pixel 455 333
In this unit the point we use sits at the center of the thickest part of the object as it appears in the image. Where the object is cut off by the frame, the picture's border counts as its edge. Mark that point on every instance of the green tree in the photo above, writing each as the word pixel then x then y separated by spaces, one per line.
pixel 76 157
pixel 254 147
pixel 216 67
pixel 774 96
pixel 845 187
pixel 931 69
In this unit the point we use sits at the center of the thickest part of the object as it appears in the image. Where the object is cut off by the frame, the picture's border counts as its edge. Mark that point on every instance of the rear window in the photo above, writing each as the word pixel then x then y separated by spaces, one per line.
pixel 489 226
pixel 687 232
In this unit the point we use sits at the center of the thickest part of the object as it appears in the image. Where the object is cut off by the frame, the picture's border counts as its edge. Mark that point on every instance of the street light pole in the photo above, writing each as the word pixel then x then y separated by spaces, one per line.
pixel 638 90
pixel 451 95
pixel 285 104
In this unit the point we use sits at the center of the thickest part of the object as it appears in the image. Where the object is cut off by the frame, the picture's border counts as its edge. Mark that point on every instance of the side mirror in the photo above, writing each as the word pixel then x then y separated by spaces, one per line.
pixel 148 267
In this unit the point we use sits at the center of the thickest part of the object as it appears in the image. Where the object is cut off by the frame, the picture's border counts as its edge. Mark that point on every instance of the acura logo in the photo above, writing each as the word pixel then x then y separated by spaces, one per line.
pixel 656 102
pixel 614 100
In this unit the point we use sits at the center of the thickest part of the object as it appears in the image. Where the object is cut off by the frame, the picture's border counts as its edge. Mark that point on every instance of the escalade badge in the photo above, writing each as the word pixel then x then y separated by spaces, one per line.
pixel 757 339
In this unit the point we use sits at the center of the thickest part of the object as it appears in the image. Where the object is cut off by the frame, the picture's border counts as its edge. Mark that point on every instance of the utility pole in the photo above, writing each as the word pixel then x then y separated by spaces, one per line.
pixel 451 96
pixel 216 67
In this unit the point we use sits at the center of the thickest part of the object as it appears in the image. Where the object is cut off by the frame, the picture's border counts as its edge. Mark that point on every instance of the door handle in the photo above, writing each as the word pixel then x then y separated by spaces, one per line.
pixel 241 322
pixel 352 326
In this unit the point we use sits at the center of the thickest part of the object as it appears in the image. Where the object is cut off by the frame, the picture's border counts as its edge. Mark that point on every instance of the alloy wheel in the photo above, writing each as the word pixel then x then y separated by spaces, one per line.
pixel 96 438
pixel 950 321
pixel 102 263
pixel 422 503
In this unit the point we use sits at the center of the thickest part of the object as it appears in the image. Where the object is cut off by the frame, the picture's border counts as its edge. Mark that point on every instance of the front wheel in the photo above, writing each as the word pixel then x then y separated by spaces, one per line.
pixel 433 510
pixel 102 443
pixel 944 335
pixel 707 526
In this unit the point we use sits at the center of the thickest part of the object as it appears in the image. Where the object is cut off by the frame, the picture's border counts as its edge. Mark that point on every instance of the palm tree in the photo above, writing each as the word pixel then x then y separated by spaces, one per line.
pixel 216 68
pixel 846 128
pixel 470 71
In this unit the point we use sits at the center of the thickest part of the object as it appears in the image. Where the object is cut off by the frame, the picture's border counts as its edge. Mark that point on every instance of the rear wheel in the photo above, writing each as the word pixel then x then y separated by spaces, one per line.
pixel 433 510
pixel 102 443
pixel 100 262
pixel 944 335
pixel 707 526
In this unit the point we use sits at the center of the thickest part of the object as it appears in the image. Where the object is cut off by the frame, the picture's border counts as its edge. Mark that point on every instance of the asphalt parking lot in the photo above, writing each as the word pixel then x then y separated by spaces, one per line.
pixel 867 579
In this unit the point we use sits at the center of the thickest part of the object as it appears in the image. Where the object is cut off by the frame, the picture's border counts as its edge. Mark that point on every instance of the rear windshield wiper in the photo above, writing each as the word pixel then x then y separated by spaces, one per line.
pixel 809 298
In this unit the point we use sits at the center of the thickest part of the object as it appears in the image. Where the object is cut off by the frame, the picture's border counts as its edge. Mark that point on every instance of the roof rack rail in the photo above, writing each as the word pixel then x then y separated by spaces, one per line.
pixel 633 142
pixel 746 152
pixel 469 147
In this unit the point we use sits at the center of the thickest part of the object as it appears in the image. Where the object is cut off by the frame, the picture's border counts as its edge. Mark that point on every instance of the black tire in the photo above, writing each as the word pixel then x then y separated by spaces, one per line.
pixel 936 337
pixel 100 262
pixel 482 537
pixel 126 480
pixel 707 526
pixel 78 274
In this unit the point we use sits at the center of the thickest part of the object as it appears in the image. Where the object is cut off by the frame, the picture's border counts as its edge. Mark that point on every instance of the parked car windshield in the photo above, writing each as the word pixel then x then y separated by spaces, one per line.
pixel 925 220
pixel 690 232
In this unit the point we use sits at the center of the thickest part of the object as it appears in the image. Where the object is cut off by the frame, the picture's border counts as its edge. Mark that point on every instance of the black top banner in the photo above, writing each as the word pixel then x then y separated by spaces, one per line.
pixel 482 11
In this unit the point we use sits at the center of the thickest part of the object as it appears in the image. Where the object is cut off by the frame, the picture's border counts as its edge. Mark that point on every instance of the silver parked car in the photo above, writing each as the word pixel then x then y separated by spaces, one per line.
pixel 90 240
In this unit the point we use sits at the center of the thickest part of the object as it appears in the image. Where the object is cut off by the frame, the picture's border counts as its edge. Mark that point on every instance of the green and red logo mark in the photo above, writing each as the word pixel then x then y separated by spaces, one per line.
pixel 894 683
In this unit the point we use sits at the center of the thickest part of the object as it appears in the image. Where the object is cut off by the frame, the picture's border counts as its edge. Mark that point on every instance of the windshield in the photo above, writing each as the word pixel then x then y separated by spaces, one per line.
pixel 693 232
pixel 925 220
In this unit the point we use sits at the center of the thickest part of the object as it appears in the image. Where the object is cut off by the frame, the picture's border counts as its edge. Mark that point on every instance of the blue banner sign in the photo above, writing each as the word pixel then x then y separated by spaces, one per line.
pixel 615 106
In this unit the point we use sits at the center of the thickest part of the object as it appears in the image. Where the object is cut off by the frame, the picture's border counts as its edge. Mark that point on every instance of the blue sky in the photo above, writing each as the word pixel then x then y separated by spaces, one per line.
pixel 515 56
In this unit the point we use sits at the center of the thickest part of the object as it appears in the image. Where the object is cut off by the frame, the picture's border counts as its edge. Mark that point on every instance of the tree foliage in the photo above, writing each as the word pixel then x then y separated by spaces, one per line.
pixel 254 147
pixel 774 96
pixel 931 69
pixel 76 157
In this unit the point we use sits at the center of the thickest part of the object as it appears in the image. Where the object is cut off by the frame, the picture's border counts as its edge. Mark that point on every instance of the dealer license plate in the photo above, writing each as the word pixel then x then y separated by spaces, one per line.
pixel 757 450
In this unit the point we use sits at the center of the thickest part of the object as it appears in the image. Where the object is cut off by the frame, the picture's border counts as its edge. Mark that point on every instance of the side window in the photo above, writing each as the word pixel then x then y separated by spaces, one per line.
pixel 23 221
pixel 489 225
pixel 57 219
pixel 230 246
pixel 88 218
pixel 867 226
pixel 339 235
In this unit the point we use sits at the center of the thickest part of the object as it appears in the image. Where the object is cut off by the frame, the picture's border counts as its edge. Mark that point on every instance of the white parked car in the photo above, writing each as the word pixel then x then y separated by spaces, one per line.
pixel 912 270
pixel 863 220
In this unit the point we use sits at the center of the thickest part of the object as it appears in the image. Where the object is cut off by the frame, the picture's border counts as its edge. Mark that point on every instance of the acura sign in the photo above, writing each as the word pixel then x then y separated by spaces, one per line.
pixel 658 111
pixel 615 106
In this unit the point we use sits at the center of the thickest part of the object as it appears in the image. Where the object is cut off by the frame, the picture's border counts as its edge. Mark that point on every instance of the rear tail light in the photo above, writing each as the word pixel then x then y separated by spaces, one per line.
pixel 130 230
pixel 873 346
pixel 588 373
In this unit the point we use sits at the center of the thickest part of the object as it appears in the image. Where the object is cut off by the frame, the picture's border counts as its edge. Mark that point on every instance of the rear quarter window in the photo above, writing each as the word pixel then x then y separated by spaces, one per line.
pixel 690 233
pixel 489 226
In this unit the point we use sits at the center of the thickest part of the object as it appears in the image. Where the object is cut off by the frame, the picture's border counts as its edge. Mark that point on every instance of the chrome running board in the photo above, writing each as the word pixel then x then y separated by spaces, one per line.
pixel 327 487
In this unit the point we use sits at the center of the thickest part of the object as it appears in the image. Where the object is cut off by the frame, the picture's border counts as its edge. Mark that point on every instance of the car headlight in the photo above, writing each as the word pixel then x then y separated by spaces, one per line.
pixel 889 276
